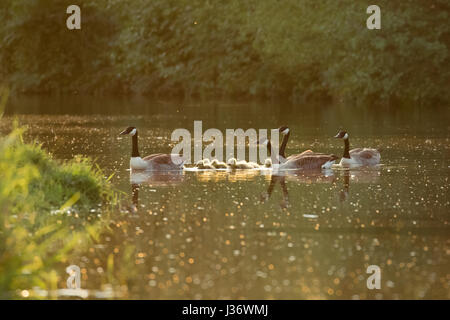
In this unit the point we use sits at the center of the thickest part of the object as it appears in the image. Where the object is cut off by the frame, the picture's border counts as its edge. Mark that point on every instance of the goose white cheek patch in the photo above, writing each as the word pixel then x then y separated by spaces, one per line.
pixel 346 136
pixel 133 132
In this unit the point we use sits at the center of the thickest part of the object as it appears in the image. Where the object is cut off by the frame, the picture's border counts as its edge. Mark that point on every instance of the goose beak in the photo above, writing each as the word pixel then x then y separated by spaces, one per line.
pixel 123 132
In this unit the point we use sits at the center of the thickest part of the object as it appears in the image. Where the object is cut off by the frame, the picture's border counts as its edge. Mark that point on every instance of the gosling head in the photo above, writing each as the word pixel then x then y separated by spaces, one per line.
pixel 200 164
pixel 130 130
pixel 342 134
pixel 232 161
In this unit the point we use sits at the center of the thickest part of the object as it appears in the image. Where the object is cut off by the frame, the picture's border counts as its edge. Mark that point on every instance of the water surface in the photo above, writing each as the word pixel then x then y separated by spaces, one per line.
pixel 219 235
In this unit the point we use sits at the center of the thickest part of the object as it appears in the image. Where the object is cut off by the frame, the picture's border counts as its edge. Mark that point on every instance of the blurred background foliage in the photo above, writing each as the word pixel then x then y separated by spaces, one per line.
pixel 269 49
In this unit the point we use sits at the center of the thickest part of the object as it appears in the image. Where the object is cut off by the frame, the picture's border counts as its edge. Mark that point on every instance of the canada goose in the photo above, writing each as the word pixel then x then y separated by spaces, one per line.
pixel 219 164
pixel 307 160
pixel 234 164
pixel 359 156
pixel 156 162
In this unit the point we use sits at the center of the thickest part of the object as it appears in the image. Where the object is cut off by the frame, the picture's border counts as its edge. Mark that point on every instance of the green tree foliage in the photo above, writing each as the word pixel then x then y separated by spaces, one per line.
pixel 39 54
pixel 208 48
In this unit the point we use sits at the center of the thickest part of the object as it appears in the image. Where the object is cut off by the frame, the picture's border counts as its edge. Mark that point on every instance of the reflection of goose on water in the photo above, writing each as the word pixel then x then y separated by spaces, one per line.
pixel 156 178
pixel 359 156
pixel 154 162
pixel 152 179
pixel 357 176
pixel 274 179
pixel 134 198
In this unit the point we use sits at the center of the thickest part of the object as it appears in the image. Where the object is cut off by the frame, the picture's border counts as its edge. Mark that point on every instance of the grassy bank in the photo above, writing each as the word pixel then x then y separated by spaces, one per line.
pixel 296 49
pixel 48 210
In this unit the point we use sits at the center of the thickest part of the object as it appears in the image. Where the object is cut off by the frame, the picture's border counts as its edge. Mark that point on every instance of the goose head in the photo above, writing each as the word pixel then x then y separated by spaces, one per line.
pixel 283 130
pixel 342 134
pixel 130 130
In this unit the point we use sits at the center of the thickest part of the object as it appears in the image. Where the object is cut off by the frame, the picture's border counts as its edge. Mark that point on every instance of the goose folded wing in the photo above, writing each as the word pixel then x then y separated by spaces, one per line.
pixel 150 157
pixel 311 161
pixel 367 153
pixel 169 159
pixel 160 159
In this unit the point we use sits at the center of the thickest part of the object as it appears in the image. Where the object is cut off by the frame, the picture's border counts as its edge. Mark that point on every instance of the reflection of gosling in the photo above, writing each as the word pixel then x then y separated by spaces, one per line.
pixel 219 164
pixel 234 164
pixel 268 163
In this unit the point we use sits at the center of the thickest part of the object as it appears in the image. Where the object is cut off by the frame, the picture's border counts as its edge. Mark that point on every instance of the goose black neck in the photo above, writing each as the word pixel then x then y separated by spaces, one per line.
pixel 269 148
pixel 273 156
pixel 346 149
pixel 135 150
pixel 283 144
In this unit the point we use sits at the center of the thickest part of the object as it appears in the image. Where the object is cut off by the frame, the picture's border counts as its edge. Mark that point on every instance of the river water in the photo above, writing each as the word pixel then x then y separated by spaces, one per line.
pixel 250 234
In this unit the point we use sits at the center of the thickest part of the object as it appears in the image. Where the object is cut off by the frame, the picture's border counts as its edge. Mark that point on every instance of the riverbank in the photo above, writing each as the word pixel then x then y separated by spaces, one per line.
pixel 49 209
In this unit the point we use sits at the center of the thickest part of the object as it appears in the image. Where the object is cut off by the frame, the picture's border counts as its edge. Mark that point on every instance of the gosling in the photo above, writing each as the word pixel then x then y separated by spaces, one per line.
pixel 219 164
pixel 234 164
pixel 254 164
pixel 204 164
pixel 207 164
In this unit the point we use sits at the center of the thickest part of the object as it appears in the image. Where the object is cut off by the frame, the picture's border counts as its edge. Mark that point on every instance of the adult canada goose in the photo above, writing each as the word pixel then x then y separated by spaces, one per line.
pixel 307 160
pixel 359 156
pixel 154 162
